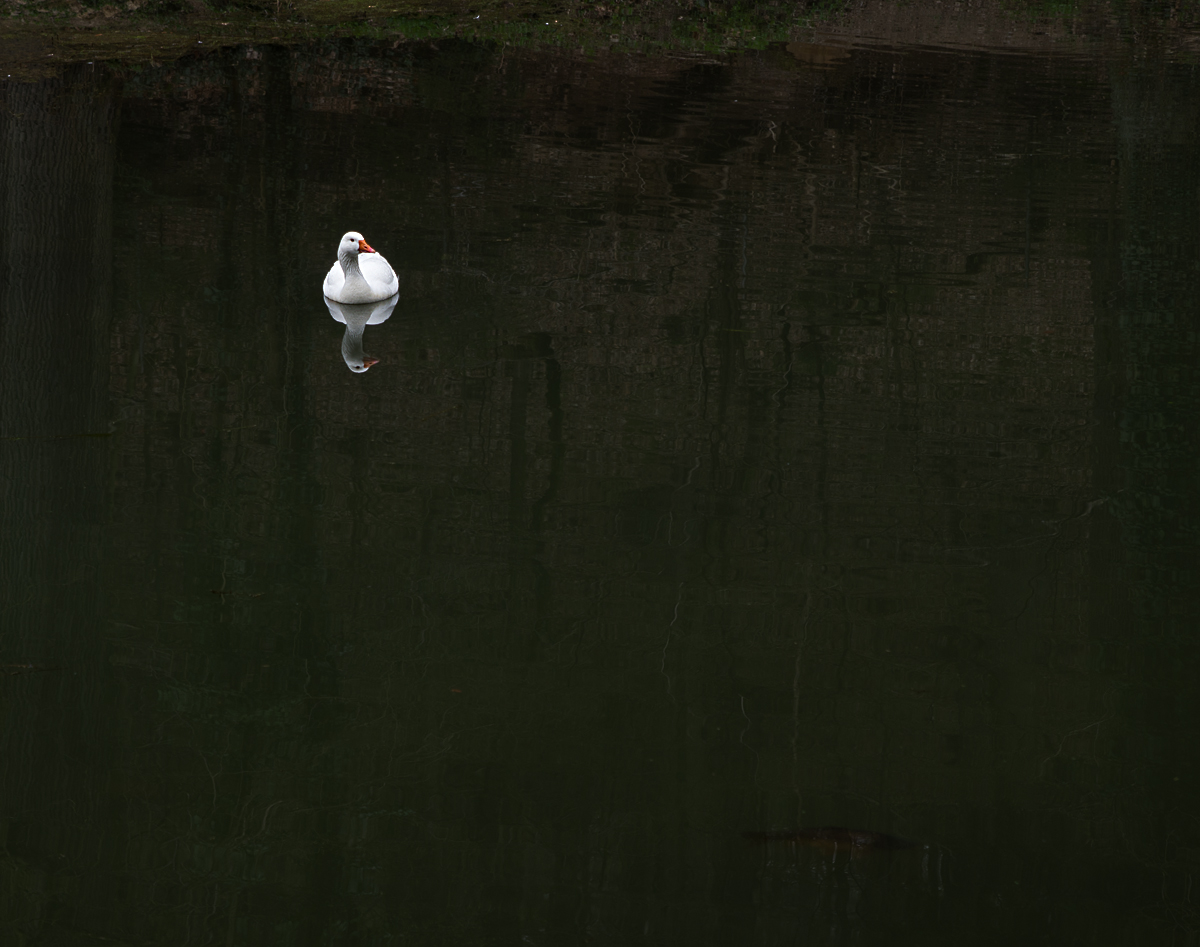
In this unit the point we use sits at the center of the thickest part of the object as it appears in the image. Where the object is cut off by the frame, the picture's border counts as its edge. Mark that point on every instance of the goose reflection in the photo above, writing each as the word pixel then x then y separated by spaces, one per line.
pixel 356 318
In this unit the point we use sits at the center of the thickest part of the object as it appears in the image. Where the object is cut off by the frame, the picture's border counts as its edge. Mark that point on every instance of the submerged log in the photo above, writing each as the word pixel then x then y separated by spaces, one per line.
pixel 834 837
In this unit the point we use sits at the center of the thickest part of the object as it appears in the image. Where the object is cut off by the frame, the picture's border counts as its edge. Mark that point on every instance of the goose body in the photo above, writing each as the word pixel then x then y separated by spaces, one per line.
pixel 360 275
pixel 356 319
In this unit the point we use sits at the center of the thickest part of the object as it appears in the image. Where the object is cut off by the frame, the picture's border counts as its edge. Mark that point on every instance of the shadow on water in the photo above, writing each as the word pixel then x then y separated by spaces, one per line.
pixel 56 165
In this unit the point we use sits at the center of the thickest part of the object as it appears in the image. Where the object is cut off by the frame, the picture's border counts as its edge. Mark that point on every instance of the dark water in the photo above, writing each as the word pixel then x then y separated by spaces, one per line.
pixel 789 441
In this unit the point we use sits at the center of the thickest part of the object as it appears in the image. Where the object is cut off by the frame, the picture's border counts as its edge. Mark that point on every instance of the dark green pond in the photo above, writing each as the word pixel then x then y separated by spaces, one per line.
pixel 801 439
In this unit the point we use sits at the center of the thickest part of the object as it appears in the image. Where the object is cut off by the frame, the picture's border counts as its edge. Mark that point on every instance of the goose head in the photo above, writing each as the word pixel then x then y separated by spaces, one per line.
pixel 351 245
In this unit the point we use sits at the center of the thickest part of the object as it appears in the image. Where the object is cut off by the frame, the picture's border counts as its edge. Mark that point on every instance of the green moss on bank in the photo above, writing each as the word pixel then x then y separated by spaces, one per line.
pixel 38 35
pixel 37 31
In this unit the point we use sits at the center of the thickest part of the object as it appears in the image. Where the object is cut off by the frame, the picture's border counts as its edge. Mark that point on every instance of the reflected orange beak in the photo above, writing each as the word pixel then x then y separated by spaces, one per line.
pixel 364 247
pixel 368 361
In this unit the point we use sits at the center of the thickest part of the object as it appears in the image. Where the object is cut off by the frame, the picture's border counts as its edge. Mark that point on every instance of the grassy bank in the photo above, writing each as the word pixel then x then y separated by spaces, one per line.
pixel 38 35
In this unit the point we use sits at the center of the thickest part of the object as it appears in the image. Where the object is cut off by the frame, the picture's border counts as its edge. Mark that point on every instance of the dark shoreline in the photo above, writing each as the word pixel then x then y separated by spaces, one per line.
pixel 36 40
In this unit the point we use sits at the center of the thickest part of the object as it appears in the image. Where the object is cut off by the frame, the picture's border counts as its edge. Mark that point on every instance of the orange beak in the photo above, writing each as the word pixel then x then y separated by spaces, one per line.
pixel 364 247
pixel 368 361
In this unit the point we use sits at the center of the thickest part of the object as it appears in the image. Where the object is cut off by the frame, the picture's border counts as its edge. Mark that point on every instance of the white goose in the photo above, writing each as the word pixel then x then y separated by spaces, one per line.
pixel 354 279
pixel 357 318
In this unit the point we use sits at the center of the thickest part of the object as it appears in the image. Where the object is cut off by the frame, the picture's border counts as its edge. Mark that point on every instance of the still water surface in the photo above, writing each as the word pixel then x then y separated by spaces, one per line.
pixel 800 439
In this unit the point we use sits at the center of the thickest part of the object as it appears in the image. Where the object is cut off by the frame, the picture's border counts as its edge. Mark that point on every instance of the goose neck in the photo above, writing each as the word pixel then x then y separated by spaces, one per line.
pixel 349 263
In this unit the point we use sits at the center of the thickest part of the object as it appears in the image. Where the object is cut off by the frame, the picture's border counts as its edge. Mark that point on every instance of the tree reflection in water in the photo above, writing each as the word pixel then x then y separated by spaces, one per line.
pixel 761 443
